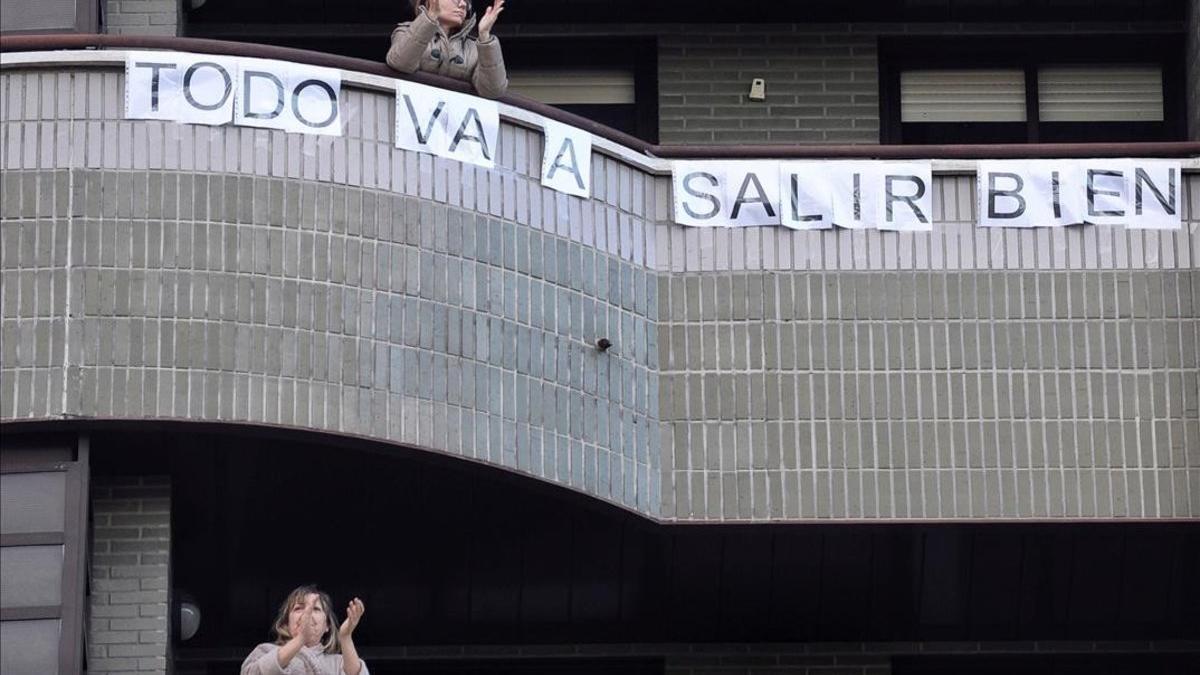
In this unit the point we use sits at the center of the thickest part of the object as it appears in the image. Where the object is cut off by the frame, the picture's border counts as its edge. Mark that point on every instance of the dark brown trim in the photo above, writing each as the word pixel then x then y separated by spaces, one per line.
pixel 33 614
pixel 18 43
pixel 74 573
pixel 973 151
pixel 32 539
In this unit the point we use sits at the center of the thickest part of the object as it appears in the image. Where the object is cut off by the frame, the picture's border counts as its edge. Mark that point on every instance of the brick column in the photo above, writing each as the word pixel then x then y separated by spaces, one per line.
pixel 143 17
pixel 130 575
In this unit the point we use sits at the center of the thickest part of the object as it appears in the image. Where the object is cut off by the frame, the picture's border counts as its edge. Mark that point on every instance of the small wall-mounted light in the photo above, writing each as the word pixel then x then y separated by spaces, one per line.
pixel 758 89
pixel 187 615
pixel 603 344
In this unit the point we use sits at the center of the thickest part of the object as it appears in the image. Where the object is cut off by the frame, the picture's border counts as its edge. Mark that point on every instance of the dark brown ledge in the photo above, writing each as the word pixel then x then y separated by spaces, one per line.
pixel 24 43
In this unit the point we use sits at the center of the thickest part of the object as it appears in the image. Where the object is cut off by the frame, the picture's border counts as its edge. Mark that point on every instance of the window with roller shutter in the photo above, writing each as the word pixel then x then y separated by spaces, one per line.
pixel 1067 89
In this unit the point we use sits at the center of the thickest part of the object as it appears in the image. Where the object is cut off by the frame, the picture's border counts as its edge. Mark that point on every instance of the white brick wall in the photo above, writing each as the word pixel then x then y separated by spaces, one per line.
pixel 143 17
pixel 131 542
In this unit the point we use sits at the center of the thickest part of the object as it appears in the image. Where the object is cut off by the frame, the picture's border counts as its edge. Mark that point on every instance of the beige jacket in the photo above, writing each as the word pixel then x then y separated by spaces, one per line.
pixel 308 661
pixel 422 45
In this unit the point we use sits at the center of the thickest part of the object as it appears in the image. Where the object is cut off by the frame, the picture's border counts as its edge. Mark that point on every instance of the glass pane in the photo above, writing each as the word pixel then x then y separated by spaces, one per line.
pixel 32 576
pixel 29 646
pixel 32 502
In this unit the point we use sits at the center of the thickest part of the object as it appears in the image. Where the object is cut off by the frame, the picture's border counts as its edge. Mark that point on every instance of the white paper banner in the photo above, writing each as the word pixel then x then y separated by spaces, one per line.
pixel 1029 193
pixel 201 89
pixel 189 88
pixel 287 96
pixel 567 159
pixel 1137 193
pixel 1157 195
pixel 447 124
pixel 883 195
pixel 808 195
pixel 726 193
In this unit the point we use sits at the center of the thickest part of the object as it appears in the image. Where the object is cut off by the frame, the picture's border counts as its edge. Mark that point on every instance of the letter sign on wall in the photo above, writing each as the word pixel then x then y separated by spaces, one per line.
pixel 447 124
pixel 567 159
pixel 726 193
pixel 201 89
pixel 282 95
pixel 189 88
pixel 1136 193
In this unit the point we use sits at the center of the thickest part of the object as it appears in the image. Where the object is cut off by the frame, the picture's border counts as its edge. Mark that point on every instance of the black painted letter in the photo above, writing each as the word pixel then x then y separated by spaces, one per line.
pixel 911 200
pixel 187 85
pixel 795 197
pixel 711 199
pixel 155 68
pixel 333 103
pixel 247 77
pixel 1014 193
pixel 760 199
pixel 1092 191
pixel 423 138
pixel 461 134
pixel 568 147
pixel 1140 176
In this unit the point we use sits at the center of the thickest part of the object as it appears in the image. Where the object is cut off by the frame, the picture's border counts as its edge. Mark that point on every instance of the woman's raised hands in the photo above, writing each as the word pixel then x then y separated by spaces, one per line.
pixel 354 612
pixel 489 19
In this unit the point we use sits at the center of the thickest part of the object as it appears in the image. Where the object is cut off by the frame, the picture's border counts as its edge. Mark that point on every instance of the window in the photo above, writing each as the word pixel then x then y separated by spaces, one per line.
pixel 49 16
pixel 613 81
pixel 1013 90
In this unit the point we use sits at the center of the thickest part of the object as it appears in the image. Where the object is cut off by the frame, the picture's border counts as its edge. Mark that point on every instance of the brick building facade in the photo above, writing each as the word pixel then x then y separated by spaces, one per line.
pixel 807 451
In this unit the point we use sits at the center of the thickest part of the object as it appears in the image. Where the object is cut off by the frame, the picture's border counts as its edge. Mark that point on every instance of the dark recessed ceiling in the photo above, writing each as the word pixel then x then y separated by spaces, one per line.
pixel 594 12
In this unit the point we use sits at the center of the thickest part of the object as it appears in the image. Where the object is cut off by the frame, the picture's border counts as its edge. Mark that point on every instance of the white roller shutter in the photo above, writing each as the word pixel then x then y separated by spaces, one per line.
pixel 962 96
pixel 1100 94
pixel 574 87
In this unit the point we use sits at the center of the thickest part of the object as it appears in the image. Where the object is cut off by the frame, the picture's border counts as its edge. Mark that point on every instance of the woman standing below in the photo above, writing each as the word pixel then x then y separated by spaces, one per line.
pixel 438 40
pixel 305 642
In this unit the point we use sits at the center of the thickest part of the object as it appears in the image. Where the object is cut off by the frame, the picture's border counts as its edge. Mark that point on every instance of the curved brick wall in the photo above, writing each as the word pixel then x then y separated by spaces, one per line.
pixel 156 270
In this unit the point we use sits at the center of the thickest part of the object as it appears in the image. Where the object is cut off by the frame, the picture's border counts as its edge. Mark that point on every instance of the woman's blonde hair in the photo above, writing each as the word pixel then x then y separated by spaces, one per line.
pixel 329 641
pixel 418 4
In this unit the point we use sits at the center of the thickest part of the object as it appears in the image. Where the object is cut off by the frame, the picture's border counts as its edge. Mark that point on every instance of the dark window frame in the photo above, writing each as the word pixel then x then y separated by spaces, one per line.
pixel 72 458
pixel 87 20
pixel 1028 54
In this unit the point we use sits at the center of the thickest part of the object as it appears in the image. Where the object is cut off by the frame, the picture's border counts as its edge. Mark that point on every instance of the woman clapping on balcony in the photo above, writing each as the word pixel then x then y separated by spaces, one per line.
pixel 308 639
pixel 439 40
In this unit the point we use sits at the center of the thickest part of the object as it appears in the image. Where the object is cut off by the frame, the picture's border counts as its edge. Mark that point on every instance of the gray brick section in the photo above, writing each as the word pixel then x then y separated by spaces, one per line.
pixel 822 87
pixel 918 395
pixel 130 579
pixel 143 17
